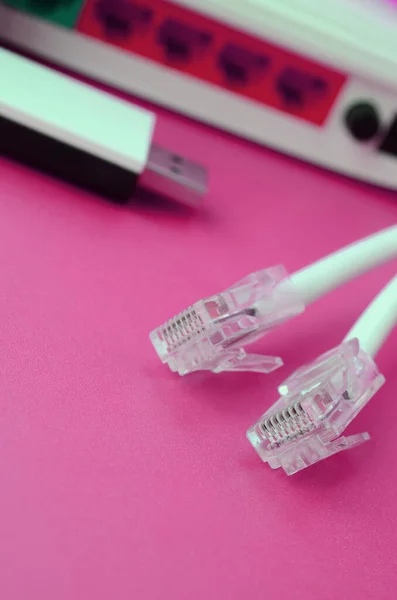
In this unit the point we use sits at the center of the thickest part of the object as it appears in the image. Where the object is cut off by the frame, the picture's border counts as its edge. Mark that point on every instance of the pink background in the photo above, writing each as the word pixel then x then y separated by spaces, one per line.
pixel 120 480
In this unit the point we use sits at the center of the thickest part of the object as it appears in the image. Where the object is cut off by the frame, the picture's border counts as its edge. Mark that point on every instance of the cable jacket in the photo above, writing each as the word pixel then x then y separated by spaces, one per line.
pixel 377 321
pixel 346 264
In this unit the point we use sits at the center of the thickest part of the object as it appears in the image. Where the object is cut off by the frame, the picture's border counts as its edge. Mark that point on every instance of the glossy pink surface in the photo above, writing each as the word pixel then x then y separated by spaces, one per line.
pixel 120 480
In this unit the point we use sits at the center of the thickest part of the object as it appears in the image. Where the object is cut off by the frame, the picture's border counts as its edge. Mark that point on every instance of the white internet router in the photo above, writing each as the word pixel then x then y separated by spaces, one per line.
pixel 313 79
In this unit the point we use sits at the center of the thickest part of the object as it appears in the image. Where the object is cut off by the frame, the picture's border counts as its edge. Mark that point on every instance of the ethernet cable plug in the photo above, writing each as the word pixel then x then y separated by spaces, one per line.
pixel 93 140
pixel 321 399
pixel 212 333
pixel 316 405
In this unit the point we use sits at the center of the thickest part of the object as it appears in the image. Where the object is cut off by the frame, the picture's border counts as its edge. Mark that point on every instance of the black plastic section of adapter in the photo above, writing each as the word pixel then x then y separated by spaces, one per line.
pixel 66 162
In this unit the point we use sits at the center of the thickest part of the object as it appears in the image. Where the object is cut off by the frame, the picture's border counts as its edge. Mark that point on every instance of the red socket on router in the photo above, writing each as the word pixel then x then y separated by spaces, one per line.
pixel 203 48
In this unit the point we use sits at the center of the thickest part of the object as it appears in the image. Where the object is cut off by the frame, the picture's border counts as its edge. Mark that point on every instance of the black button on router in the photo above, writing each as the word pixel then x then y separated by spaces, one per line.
pixel 362 120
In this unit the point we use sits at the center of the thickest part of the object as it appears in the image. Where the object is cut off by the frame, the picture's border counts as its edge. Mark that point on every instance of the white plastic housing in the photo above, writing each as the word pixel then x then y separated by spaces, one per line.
pixel 358 39
pixel 74 113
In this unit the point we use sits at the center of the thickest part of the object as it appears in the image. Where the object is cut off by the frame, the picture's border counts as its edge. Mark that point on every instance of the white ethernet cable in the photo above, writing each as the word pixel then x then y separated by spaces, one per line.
pixel 318 401
pixel 325 275
pixel 211 334
pixel 377 321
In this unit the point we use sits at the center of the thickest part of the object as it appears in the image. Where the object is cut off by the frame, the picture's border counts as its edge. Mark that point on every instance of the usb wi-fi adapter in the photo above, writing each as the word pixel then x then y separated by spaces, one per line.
pixel 68 129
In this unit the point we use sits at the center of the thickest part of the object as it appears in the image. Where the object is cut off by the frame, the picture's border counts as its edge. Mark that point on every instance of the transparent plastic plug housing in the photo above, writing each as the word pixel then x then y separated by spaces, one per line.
pixel 211 334
pixel 317 403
